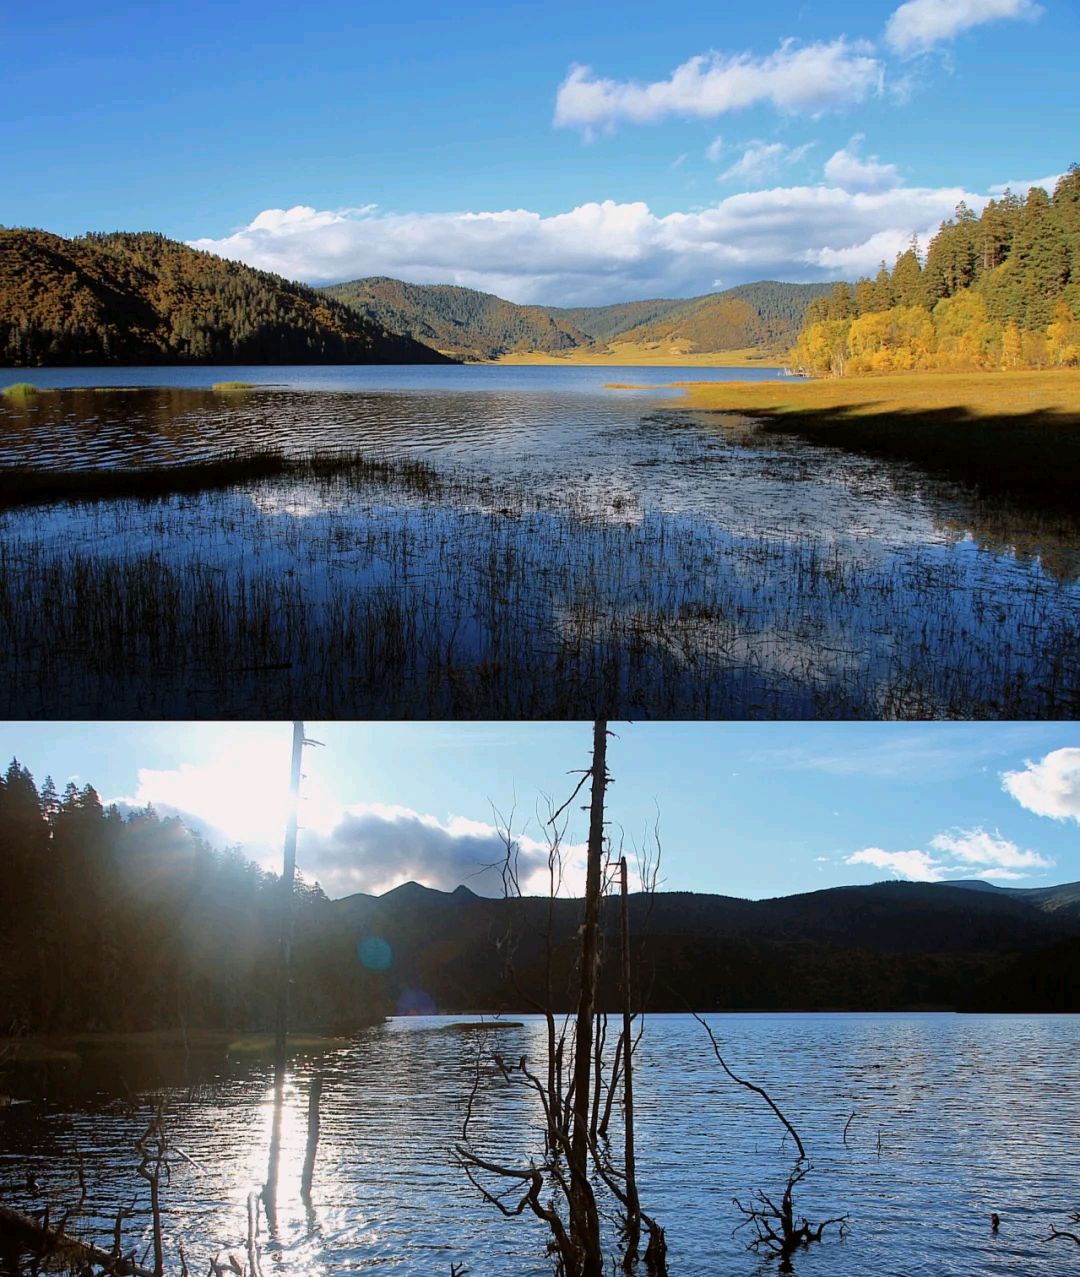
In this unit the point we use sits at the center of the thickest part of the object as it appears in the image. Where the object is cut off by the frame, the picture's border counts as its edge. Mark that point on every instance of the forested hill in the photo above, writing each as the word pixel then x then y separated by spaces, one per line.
pixel 766 314
pixel 459 321
pixel 130 922
pixel 144 299
pixel 998 289
pixel 476 325
pixel 885 947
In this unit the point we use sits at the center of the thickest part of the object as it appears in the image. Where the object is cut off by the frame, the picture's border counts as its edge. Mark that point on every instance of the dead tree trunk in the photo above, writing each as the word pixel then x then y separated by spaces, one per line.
pixel 633 1208
pixel 284 971
pixel 288 876
pixel 584 1220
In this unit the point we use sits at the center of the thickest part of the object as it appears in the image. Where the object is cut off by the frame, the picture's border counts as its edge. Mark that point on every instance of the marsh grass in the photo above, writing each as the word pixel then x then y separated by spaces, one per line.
pixel 21 392
pixel 27 485
pixel 473 600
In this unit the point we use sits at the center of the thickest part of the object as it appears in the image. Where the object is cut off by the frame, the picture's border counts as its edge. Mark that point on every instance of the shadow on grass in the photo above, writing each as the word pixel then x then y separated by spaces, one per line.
pixel 1031 457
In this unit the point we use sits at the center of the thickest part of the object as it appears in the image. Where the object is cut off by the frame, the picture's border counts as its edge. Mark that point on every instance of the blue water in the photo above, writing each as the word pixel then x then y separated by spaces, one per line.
pixel 380 377
pixel 592 545
pixel 948 1118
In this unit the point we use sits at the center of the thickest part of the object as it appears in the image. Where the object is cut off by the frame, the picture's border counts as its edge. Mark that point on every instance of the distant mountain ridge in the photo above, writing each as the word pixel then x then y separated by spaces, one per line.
pixel 889 946
pixel 460 321
pixel 144 299
pixel 476 325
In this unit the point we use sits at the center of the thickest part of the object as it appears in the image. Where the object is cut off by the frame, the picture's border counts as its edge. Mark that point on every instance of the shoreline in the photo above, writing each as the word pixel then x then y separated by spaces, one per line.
pixel 1014 434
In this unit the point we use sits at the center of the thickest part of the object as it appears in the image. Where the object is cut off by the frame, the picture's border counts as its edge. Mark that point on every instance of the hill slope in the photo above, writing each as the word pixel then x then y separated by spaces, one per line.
pixel 145 299
pixel 888 946
pixel 477 325
pixel 764 314
pixel 460 321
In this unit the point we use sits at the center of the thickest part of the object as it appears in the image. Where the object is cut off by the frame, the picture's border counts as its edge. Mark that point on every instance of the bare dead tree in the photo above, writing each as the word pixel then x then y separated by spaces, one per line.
pixel 560 1186
pixel 1055 1233
pixel 153 1147
pixel 778 1233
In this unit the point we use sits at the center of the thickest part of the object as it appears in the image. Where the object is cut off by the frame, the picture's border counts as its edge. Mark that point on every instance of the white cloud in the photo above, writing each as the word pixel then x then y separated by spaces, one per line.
pixel 240 797
pixel 373 848
pixel 715 149
pixel 601 252
pixel 762 158
pixel 796 79
pixel 1022 187
pixel 848 170
pixel 915 866
pixel 1050 787
pixel 918 25
pixel 978 847
pixel 966 853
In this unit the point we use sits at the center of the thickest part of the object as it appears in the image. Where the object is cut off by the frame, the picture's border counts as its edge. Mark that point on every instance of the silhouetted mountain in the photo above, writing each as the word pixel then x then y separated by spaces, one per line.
pixel 459 321
pixel 891 945
pixel 477 325
pixel 145 299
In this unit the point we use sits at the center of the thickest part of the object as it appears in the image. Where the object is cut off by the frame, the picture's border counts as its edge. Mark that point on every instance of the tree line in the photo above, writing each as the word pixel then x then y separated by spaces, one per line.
pixel 141 298
pixel 996 290
pixel 130 921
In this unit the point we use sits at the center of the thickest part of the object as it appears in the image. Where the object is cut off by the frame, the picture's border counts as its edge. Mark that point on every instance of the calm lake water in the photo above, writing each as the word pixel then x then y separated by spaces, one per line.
pixel 588 548
pixel 954 1117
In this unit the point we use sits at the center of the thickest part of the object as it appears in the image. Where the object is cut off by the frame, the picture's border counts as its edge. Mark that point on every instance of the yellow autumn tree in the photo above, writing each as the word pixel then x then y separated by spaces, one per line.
pixel 896 340
pixel 966 337
pixel 1063 337
pixel 1011 347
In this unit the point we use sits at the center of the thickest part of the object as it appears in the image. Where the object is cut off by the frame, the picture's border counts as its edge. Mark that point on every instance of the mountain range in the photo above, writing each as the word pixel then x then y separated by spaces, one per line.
pixel 890 946
pixel 140 298
pixel 474 325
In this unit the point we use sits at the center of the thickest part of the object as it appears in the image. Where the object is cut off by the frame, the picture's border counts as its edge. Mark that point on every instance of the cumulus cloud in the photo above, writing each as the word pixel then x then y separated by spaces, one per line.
pixel 796 79
pixel 978 847
pixel 916 866
pixel 603 252
pixel 965 853
pixel 374 848
pixel 919 25
pixel 762 158
pixel 848 170
pixel 1050 787
pixel 715 149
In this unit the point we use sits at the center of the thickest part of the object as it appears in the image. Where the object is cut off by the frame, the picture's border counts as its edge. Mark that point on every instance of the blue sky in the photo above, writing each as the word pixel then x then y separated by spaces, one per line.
pixel 386 131
pixel 745 809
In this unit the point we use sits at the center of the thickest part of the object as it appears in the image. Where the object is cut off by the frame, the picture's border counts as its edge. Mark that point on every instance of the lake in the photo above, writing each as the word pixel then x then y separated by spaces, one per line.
pixel 574 549
pixel 951 1118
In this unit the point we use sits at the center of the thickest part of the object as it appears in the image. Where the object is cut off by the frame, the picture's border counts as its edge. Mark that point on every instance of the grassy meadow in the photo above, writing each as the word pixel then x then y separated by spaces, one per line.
pixel 630 354
pixel 1016 433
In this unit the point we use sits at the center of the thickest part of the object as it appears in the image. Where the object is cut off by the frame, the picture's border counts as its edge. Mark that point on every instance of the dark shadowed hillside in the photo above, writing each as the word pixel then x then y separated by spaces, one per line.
pixel 460 321
pixel 145 299
pixel 887 946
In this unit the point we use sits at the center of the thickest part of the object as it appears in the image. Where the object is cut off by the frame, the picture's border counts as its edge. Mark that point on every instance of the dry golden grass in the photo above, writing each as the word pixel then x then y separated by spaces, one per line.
pixel 633 354
pixel 1016 433
pixel 977 394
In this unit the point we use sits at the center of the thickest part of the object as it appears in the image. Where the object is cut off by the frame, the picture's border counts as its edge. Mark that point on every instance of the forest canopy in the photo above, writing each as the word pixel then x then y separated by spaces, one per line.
pixel 997 290
pixel 143 299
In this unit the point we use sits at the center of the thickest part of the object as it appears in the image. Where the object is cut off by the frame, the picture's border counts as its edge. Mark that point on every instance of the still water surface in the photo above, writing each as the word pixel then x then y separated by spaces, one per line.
pixel 594 546
pixel 954 1117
